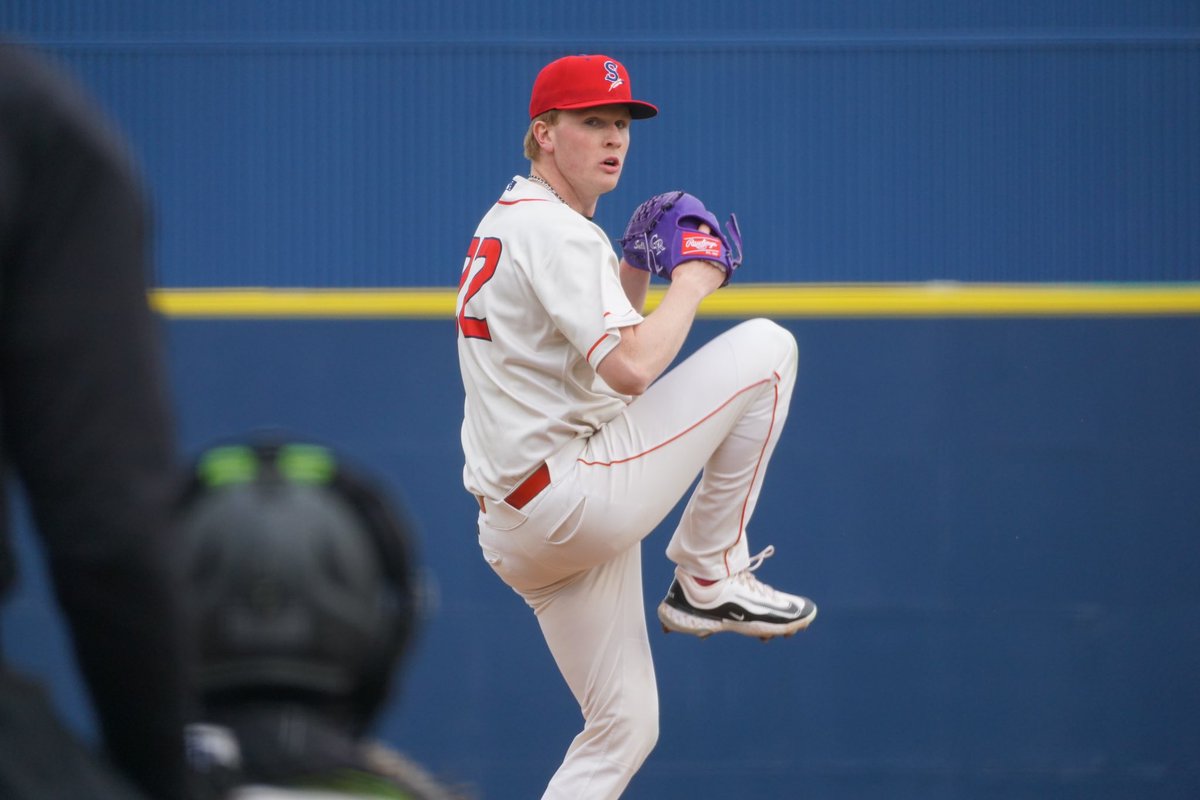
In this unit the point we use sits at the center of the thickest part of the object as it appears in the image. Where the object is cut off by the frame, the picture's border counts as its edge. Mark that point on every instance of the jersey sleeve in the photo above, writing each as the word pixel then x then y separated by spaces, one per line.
pixel 580 289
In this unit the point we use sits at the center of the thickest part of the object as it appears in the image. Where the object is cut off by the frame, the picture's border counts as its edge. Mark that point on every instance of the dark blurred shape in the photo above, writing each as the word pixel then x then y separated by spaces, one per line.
pixel 86 429
pixel 302 573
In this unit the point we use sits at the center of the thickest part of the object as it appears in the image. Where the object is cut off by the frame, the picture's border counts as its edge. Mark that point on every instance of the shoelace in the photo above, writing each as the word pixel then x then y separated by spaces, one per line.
pixel 756 561
pixel 746 577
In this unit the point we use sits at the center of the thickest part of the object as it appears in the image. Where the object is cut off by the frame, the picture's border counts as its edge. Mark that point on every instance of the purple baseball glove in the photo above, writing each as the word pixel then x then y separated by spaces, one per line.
pixel 665 231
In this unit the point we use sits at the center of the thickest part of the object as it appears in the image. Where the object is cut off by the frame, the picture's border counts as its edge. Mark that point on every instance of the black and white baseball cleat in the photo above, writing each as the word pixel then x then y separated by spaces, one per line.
pixel 739 604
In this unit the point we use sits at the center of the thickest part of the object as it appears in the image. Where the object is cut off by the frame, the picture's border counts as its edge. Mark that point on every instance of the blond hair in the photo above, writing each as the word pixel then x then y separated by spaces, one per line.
pixel 532 148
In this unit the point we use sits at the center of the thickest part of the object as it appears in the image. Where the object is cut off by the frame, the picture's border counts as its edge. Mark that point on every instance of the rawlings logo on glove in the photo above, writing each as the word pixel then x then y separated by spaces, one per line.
pixel 665 231
pixel 697 244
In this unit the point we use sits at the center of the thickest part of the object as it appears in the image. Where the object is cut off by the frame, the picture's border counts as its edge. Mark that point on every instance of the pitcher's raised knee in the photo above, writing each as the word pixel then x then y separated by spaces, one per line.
pixel 765 339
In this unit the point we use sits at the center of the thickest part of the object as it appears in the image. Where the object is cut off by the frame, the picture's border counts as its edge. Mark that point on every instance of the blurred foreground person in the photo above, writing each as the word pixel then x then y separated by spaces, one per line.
pixel 302 575
pixel 84 425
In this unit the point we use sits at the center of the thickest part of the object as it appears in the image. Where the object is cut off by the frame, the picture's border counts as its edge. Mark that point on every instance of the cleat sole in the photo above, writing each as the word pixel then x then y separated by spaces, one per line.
pixel 678 620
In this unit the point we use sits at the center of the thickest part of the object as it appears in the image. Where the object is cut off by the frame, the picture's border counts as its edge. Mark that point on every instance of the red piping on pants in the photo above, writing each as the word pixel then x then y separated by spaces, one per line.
pixel 746 502
pixel 698 423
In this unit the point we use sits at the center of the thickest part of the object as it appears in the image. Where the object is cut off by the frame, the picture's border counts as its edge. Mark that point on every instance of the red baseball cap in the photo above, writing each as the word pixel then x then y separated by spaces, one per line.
pixel 584 82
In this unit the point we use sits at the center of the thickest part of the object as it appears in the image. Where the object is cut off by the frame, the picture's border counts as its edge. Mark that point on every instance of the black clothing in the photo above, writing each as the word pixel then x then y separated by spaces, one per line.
pixel 83 414
pixel 40 758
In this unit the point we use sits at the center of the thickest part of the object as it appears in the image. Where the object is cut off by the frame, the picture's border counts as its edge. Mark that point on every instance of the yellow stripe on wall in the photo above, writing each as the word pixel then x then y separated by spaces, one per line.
pixel 748 300
pixel 304 303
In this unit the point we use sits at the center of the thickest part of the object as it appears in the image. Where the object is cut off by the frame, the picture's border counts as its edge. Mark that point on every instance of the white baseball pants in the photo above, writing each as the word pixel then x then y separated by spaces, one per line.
pixel 573 551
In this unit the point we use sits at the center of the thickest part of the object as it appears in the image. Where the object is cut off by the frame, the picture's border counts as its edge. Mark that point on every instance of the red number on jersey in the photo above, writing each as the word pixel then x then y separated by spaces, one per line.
pixel 488 250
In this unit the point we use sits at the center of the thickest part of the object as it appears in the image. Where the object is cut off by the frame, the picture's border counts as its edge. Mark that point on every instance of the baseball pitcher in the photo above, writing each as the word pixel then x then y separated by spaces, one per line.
pixel 578 441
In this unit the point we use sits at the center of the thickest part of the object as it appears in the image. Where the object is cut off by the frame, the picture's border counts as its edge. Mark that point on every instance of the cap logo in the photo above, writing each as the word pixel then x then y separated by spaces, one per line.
pixel 697 244
pixel 611 75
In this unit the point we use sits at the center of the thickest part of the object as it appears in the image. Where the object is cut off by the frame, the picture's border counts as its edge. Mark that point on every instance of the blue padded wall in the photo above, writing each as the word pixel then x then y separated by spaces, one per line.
pixel 998 517
pixel 320 144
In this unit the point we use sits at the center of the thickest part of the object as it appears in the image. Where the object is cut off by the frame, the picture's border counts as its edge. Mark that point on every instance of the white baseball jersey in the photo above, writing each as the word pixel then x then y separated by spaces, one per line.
pixel 540 304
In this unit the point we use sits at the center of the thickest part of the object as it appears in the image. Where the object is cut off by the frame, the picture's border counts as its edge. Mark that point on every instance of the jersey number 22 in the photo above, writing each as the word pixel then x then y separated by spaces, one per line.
pixel 486 251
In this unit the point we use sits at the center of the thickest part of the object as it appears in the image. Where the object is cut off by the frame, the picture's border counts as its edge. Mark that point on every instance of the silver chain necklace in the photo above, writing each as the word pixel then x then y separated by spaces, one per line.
pixel 542 181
